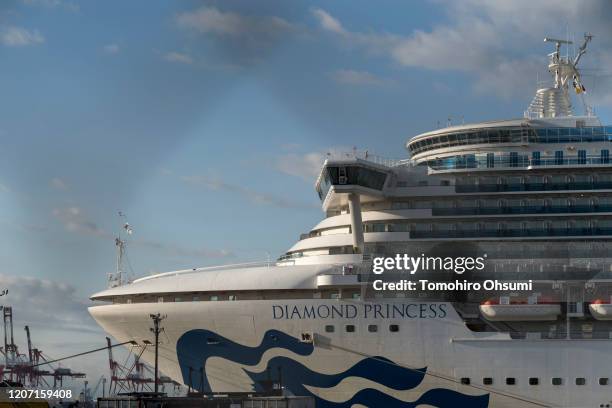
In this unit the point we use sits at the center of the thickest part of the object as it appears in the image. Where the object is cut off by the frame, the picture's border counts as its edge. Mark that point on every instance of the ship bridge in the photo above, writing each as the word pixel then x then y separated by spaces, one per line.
pixel 347 180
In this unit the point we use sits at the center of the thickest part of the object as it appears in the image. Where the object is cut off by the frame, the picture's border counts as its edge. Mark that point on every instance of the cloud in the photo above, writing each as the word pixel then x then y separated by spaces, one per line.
pixel 352 77
pixel 485 39
pixel 74 220
pixel 328 22
pixel 184 252
pixel 178 57
pixel 20 37
pixel 111 48
pixel 305 166
pixel 46 304
pixel 210 20
pixel 254 197
pixel 52 4
pixel 58 184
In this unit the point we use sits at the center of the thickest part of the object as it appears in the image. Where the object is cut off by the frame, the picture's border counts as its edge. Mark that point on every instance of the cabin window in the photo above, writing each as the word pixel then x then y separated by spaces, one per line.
pixel 335 295
pixel 465 381
pixel 214 298
pixel 329 328
pixel 534 381
pixel 160 299
pixel 604 381
pixel 580 381
pixel 232 297
pixel 372 328
pixel 394 328
pixel 356 295
pixel 350 328
pixel 557 381
pixel 195 299
pixel 510 381
pixel 178 299
pixel 487 381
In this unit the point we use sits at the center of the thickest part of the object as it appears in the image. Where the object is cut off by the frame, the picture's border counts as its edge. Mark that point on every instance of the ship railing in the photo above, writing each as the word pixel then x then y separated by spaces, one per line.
pixel 207 268
pixel 367 156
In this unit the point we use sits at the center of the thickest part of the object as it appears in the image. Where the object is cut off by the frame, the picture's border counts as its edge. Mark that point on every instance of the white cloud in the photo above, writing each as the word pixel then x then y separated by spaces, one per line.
pixel 493 41
pixel 328 22
pixel 213 21
pixel 255 197
pixel 74 220
pixel 305 166
pixel 58 184
pixel 352 77
pixel 178 57
pixel 19 37
pixel 46 304
pixel 183 252
pixel 59 323
pixel 52 4
pixel 111 48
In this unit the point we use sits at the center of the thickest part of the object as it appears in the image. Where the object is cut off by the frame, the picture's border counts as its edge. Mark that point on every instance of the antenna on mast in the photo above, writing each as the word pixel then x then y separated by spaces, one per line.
pixel 555 101
pixel 117 278
pixel 587 38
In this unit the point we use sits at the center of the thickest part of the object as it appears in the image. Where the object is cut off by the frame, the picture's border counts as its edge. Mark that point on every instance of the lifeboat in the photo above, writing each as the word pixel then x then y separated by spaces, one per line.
pixel 519 310
pixel 601 309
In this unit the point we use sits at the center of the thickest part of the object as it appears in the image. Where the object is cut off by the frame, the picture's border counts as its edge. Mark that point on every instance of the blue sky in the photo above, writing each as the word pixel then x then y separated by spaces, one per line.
pixel 206 122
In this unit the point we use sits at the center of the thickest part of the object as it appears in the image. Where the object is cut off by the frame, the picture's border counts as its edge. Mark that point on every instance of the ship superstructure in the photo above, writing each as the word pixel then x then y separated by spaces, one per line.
pixel 533 195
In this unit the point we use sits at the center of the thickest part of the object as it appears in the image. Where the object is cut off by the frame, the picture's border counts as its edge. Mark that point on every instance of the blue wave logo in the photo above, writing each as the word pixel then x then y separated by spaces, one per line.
pixel 195 347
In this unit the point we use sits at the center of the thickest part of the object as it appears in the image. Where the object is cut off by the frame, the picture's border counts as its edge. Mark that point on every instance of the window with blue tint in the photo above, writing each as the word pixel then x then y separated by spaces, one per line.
pixel 513 159
pixel 581 156
pixel 559 157
pixel 470 160
pixel 605 156
pixel 535 158
pixel 490 160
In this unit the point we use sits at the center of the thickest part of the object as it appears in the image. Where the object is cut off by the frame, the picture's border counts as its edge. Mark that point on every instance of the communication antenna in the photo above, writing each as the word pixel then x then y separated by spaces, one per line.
pixel 117 278
pixel 555 101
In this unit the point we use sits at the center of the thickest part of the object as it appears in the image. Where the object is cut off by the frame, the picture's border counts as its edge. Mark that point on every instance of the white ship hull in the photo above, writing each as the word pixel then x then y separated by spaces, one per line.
pixel 237 340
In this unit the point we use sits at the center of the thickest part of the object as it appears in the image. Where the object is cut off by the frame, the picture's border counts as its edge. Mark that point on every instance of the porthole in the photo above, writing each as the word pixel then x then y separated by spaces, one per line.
pixel 394 328
pixel 557 381
pixel 350 328
pixel 372 328
pixel 510 381
pixel 329 328
pixel 487 381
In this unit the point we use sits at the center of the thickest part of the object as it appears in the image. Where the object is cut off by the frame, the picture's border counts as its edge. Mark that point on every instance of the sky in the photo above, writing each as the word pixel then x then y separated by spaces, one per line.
pixel 206 122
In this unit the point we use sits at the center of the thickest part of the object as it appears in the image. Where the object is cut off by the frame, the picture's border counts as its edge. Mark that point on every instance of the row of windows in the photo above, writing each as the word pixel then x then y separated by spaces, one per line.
pixel 514 159
pixel 494 226
pixel 513 135
pixel 372 328
pixel 187 297
pixel 536 381
pixel 347 175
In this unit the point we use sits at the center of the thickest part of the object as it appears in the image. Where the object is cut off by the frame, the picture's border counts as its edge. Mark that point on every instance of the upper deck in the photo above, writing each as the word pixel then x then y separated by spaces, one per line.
pixel 507 133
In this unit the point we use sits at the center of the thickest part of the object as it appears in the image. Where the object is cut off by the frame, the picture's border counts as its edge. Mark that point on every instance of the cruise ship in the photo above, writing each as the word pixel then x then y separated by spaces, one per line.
pixel 532 196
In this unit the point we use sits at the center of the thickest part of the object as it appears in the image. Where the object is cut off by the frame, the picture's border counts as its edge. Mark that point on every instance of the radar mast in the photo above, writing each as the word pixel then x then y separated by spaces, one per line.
pixel 555 101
